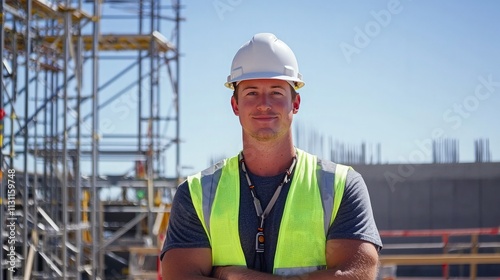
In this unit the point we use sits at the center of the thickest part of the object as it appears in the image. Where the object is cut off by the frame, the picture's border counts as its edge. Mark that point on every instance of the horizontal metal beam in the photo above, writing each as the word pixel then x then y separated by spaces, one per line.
pixel 438 259
pixel 123 230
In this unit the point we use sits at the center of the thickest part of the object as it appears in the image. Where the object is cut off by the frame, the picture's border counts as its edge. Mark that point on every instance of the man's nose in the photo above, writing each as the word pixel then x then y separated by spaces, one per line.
pixel 264 102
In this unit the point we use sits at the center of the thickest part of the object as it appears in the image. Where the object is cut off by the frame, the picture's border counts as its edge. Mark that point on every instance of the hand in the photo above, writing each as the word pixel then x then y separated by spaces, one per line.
pixel 231 272
pixel 242 273
pixel 221 272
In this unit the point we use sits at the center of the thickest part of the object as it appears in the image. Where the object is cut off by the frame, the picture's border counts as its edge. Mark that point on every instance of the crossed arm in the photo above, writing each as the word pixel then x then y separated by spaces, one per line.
pixel 345 258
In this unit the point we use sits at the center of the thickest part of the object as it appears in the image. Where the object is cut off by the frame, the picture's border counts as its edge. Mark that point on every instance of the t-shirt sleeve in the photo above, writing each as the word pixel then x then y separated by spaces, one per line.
pixel 184 227
pixel 354 218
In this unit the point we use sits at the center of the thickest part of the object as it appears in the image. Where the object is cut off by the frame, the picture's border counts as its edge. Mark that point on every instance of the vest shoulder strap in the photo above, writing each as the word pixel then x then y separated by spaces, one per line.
pixel 339 186
pixel 331 181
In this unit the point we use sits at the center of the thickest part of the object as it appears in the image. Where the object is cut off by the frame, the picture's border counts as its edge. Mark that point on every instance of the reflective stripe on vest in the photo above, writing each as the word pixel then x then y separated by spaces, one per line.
pixel 302 238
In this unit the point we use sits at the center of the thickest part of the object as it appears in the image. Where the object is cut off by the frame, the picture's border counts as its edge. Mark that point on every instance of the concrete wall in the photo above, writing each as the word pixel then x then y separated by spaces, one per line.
pixel 435 196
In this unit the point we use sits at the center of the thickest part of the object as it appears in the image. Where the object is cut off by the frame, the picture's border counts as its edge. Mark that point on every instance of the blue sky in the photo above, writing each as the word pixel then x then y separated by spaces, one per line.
pixel 399 73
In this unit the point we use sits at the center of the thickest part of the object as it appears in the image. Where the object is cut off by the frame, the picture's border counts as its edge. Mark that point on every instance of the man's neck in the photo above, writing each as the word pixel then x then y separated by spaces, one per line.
pixel 268 159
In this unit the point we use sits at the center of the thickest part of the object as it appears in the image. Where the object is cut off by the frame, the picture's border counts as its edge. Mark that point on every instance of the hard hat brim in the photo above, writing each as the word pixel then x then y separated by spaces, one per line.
pixel 264 75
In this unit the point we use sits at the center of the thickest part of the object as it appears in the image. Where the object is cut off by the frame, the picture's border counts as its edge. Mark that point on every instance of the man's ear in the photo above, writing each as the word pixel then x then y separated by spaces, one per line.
pixel 234 106
pixel 296 104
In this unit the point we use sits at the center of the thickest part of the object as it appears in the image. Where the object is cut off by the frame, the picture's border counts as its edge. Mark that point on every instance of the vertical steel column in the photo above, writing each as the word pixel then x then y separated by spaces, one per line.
pixel 177 79
pixel 52 155
pixel 46 129
pixel 95 143
pixel 12 102
pixel 34 231
pixel 65 220
pixel 27 45
pixel 151 126
pixel 156 57
pixel 46 143
pixel 139 103
pixel 77 175
pixel 14 93
pixel 2 190
pixel 55 184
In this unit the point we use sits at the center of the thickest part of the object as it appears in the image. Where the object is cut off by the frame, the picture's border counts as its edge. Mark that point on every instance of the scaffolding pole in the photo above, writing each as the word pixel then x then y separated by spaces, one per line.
pixel 2 115
pixel 54 134
pixel 96 272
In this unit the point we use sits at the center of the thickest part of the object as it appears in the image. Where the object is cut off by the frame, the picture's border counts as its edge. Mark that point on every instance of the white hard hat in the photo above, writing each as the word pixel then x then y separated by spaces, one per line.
pixel 265 57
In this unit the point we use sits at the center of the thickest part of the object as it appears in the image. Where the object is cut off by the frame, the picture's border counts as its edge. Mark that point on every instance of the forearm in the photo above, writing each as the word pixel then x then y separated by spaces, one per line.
pixel 241 273
pixel 184 273
pixel 187 264
pixel 185 277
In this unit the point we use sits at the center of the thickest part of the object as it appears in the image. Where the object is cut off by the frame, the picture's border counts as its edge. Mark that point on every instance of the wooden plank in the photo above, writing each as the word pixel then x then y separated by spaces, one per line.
pixel 49 10
pixel 438 259
pixel 116 42
pixel 144 250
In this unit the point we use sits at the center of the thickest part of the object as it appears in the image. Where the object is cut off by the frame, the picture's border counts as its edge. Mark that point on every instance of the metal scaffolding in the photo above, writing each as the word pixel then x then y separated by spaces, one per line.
pixel 89 103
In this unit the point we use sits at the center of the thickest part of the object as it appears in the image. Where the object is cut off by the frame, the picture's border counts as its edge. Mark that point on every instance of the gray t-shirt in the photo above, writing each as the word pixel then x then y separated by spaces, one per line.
pixel 354 219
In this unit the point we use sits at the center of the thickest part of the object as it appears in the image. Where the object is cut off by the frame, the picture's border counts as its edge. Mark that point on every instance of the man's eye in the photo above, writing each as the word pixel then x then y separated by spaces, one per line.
pixel 277 92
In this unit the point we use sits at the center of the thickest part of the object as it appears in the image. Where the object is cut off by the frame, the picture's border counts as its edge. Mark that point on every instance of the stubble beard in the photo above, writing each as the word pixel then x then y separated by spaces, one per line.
pixel 265 134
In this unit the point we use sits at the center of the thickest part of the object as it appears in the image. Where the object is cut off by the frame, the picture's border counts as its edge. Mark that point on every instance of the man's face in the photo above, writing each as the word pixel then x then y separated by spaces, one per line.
pixel 265 108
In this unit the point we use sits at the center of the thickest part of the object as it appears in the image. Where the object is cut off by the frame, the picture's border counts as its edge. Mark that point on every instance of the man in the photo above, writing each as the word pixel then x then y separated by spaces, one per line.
pixel 273 211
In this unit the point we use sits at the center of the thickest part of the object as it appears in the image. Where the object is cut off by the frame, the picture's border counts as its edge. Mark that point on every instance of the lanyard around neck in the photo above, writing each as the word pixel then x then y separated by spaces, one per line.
pixel 259 243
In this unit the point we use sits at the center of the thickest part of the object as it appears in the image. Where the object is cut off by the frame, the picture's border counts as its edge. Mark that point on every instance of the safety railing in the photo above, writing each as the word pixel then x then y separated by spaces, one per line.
pixel 452 253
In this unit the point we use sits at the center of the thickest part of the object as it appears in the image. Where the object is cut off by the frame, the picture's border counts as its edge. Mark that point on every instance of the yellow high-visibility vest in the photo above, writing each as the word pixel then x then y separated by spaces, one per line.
pixel 312 203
